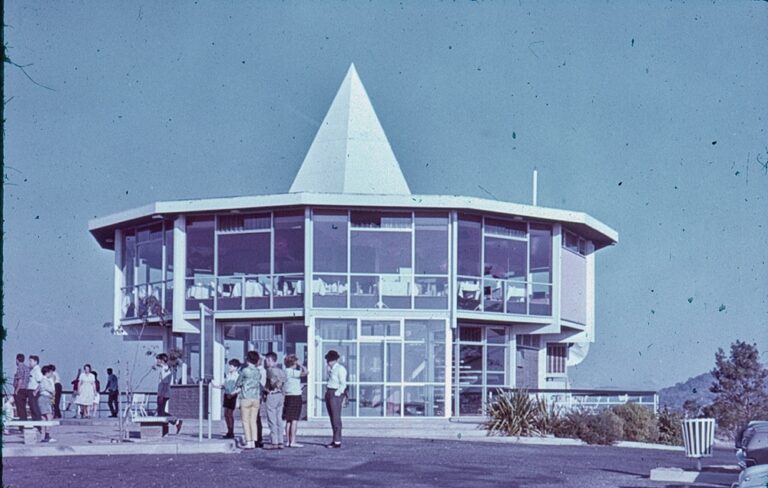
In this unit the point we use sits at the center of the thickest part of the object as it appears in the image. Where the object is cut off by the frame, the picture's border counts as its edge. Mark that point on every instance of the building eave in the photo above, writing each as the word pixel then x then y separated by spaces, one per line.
pixel 102 228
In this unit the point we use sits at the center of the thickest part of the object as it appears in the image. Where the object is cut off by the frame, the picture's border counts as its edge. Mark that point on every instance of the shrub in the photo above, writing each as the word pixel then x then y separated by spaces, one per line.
pixel 640 423
pixel 670 427
pixel 513 415
pixel 519 414
pixel 603 427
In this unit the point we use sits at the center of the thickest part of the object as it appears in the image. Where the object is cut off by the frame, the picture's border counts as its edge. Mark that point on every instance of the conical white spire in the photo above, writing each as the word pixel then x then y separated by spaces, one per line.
pixel 350 152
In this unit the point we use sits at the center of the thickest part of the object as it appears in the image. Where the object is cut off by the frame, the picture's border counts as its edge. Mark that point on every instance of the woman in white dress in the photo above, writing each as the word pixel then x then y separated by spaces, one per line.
pixel 86 391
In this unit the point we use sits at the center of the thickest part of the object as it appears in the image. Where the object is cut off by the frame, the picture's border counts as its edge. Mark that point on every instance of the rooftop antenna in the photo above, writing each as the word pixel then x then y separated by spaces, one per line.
pixel 535 185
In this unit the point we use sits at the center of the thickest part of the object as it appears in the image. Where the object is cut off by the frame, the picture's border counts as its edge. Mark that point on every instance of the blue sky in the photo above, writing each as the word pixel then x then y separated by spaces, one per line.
pixel 650 116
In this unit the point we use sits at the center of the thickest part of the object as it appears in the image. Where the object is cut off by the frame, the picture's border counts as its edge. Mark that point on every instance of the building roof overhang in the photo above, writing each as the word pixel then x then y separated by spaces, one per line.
pixel 102 228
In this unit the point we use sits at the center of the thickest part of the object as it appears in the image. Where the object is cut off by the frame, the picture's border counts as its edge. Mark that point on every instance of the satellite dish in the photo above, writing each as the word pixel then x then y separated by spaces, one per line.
pixel 577 352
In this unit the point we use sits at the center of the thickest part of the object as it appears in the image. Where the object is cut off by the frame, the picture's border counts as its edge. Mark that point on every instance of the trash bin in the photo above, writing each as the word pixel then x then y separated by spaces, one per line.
pixel 698 437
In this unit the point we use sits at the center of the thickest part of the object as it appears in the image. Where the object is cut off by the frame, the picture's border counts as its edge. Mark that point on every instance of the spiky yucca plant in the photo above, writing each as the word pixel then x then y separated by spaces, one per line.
pixel 519 414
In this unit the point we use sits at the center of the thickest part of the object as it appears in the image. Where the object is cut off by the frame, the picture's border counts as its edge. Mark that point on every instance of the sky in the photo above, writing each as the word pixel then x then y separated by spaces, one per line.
pixel 649 116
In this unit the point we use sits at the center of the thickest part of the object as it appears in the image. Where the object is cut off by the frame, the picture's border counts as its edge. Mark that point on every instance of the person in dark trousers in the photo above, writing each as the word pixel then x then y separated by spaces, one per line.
pixel 33 387
pixel 263 382
pixel 164 391
pixel 112 392
pixel 336 387
pixel 20 382
pixel 58 389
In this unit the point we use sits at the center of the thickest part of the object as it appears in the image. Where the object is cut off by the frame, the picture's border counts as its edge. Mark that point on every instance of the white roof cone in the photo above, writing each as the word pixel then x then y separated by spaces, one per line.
pixel 350 152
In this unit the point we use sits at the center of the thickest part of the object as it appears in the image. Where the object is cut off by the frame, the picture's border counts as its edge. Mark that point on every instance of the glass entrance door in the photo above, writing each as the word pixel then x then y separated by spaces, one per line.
pixel 481 365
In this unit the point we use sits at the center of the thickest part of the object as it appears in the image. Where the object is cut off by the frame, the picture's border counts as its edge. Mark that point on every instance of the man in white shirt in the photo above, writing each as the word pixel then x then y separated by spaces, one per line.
pixel 335 392
pixel 33 387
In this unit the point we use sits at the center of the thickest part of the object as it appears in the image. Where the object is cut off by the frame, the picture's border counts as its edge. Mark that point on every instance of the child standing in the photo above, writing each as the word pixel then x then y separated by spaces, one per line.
pixel 45 401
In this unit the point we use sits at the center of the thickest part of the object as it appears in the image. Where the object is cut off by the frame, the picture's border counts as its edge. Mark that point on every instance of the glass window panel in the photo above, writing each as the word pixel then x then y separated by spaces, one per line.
pixel 288 291
pixel 149 262
pixel 379 328
pixel 431 293
pixel 469 294
pixel 258 290
pixel 329 291
pixel 505 228
pixel 496 335
pixel 470 401
pixel 200 289
pixel 289 242
pixel 425 330
pixel 541 299
pixel 417 363
pixel 129 259
pixel 372 362
pixel 169 250
pixel 516 297
pixel 432 244
pixel 495 379
pixel 424 401
pixel 470 364
pixel 381 252
pixel 336 329
pixel 239 223
pixel 493 293
pixel 393 362
pixel 496 359
pixel 505 258
pixel 381 220
pixel 243 254
pixel 470 334
pixel 364 291
pixel 129 303
pixel 371 400
pixel 229 294
pixel 541 253
pixel 392 394
pixel 396 291
pixel 169 297
pixel 469 245
pixel 330 242
pixel 200 246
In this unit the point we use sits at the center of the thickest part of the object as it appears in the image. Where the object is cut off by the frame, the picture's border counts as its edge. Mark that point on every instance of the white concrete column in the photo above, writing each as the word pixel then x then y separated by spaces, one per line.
pixel 218 369
pixel 117 313
pixel 590 291
pixel 557 279
pixel 449 330
pixel 313 375
pixel 179 274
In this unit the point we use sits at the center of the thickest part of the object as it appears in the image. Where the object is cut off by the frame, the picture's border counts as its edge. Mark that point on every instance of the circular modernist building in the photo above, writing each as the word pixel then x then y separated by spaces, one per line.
pixel 433 301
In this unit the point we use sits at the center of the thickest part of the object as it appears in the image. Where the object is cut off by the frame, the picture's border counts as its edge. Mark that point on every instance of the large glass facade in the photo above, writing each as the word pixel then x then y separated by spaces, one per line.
pixel 246 261
pixel 375 260
pixel 146 290
pixel 395 368
pixel 515 259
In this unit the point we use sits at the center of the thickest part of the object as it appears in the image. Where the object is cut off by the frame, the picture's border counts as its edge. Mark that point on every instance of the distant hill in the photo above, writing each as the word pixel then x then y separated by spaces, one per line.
pixel 696 388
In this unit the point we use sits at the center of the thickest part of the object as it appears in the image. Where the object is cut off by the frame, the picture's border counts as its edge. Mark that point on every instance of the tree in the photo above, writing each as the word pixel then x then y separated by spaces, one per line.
pixel 739 387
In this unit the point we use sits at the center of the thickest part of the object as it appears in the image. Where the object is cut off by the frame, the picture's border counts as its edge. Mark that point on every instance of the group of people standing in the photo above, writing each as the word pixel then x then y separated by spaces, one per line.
pixel 278 389
pixel 86 390
pixel 38 388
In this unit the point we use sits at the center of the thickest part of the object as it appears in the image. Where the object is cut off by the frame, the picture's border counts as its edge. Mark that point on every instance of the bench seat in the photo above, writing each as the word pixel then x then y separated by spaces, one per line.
pixel 28 426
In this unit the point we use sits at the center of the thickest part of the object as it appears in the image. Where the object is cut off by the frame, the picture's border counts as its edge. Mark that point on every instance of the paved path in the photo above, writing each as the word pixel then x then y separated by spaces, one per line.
pixel 363 463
